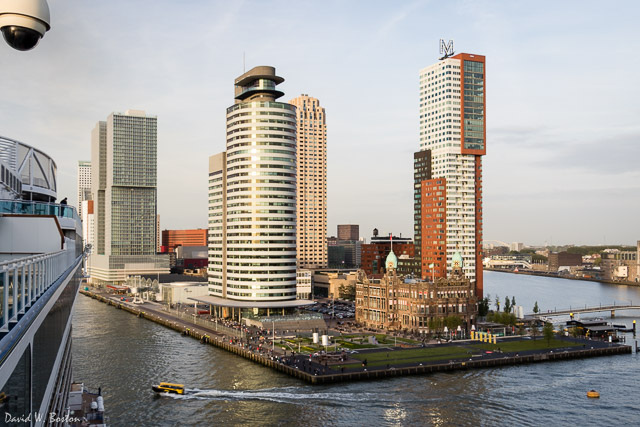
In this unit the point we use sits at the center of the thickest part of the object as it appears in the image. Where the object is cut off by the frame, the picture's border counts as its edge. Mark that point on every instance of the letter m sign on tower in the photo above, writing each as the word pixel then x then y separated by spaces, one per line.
pixel 446 49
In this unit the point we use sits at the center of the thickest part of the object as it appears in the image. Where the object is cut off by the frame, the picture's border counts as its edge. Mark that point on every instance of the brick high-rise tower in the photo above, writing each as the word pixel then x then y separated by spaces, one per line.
pixel 453 129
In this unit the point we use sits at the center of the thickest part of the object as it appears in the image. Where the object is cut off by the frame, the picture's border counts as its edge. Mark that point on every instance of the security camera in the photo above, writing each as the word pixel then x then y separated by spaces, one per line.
pixel 24 22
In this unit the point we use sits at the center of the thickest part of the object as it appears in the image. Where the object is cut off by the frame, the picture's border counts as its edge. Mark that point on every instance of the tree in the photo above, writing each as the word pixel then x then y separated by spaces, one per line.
pixel 539 259
pixel 452 322
pixel 507 304
pixel 534 330
pixel 513 302
pixel 536 309
pixel 347 292
pixel 547 331
pixel 483 307
pixel 497 303
pixel 521 329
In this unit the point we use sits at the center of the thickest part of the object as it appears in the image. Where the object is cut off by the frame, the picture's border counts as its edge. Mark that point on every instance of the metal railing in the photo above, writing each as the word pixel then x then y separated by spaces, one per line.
pixel 25 207
pixel 23 280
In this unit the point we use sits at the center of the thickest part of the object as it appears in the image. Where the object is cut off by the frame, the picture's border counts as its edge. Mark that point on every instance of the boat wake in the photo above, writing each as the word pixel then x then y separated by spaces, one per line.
pixel 281 395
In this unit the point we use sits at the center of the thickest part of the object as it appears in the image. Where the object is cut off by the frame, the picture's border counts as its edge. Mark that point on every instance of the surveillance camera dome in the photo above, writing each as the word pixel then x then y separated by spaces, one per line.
pixel 24 22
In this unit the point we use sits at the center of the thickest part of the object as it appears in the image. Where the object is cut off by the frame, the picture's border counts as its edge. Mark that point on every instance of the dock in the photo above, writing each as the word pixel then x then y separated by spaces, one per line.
pixel 326 370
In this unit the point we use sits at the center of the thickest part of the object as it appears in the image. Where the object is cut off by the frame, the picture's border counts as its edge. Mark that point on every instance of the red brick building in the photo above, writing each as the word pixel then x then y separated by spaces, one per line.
pixel 173 238
pixel 374 253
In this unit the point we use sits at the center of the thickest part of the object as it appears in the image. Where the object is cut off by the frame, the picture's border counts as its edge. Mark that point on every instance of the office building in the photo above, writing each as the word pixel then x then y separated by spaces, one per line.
pixel 311 179
pixel 453 130
pixel 124 181
pixel 158 234
pixel 173 238
pixel 88 223
pixel 348 232
pixel 252 202
pixel 620 265
pixel 563 259
pixel 84 184
pixel 375 253
pixel 344 253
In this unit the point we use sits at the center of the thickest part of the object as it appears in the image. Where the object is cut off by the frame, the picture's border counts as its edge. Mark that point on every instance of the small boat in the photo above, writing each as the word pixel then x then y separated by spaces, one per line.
pixel 593 394
pixel 168 388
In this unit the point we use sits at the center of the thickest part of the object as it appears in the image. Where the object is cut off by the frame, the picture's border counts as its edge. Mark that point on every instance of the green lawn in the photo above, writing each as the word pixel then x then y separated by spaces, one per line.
pixel 417 355
pixel 388 339
pixel 446 353
pixel 354 346
pixel 525 345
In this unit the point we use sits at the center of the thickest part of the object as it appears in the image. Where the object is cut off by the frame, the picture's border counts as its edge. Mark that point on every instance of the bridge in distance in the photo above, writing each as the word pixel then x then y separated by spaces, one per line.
pixel 581 310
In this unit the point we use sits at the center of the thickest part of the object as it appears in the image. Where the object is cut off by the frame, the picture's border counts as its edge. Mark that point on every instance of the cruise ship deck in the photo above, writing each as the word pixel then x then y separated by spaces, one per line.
pixel 40 272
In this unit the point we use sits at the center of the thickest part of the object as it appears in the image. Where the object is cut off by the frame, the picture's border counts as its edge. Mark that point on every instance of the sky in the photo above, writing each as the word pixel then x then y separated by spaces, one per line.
pixel 563 128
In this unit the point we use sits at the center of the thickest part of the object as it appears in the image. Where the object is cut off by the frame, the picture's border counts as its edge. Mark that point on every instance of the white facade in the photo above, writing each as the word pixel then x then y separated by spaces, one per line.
pixel 303 284
pixel 180 292
pixel 84 185
pixel 440 132
pixel 252 196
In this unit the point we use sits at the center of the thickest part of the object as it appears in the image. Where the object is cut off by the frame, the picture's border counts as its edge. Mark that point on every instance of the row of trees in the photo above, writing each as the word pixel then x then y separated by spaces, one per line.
pixel 483 305
pixel 509 305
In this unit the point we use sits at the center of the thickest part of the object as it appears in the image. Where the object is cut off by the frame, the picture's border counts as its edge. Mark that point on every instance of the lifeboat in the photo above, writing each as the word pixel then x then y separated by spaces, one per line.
pixel 168 388
pixel 593 394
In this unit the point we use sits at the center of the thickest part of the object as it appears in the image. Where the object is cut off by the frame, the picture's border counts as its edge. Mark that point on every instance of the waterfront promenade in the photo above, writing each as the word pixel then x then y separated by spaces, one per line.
pixel 382 362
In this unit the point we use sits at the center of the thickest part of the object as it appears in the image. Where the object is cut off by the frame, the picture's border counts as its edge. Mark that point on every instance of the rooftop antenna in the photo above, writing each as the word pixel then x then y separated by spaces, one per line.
pixel 446 49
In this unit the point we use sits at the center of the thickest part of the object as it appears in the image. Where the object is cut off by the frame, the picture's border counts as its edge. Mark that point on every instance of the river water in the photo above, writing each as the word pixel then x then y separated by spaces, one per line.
pixel 124 355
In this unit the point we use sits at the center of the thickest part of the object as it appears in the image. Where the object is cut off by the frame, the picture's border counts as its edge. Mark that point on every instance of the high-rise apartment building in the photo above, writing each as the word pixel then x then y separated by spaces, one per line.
pixel 348 232
pixel 252 199
pixel 453 129
pixel 124 180
pixel 311 240
pixel 84 184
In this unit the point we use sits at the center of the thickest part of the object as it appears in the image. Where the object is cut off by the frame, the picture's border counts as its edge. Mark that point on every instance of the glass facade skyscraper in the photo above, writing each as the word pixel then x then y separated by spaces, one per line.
pixel 252 196
pixel 124 181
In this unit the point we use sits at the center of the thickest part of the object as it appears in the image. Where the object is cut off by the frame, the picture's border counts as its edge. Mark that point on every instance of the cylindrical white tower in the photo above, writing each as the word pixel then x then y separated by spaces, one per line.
pixel 260 191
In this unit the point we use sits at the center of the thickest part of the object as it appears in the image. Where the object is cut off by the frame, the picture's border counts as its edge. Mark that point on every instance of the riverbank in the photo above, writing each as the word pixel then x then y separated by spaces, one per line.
pixel 555 276
pixel 364 364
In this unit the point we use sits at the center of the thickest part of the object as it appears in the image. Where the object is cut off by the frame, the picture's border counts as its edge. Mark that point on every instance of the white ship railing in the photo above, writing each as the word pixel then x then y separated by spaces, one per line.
pixel 24 280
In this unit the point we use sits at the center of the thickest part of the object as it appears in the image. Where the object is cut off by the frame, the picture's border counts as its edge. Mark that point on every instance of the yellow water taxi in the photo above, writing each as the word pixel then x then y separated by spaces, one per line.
pixel 593 394
pixel 168 388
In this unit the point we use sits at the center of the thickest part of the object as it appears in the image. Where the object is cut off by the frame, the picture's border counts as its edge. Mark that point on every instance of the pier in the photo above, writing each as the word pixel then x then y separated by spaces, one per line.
pixel 343 367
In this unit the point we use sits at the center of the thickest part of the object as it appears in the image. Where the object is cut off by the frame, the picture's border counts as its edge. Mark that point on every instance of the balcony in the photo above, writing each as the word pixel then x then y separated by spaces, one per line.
pixel 25 207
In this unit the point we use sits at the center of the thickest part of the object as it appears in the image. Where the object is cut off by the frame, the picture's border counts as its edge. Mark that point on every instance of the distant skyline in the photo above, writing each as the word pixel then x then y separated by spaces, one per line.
pixel 562 128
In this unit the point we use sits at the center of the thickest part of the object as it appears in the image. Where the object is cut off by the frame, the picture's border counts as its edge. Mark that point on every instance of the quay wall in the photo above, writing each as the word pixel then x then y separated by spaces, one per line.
pixel 555 276
pixel 216 339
